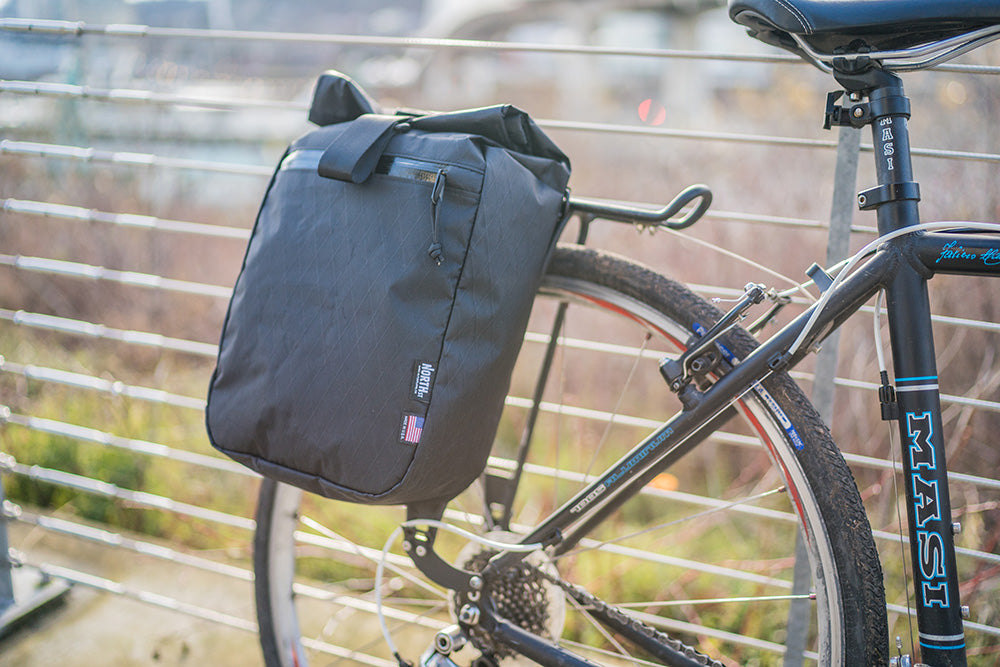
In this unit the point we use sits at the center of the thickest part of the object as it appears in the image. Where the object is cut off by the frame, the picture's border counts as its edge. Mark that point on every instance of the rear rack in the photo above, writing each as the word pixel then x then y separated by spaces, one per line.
pixel 606 210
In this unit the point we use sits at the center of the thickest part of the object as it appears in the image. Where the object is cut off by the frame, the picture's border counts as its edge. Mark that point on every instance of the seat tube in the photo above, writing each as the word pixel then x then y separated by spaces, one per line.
pixel 935 578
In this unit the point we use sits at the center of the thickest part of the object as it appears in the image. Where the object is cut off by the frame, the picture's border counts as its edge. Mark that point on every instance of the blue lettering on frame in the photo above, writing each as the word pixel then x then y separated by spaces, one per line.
pixel 920 430
pixel 991 257
pixel 925 500
pixel 951 250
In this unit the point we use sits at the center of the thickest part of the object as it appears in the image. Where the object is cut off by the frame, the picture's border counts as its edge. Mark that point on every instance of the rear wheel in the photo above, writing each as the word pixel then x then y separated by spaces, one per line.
pixel 705 553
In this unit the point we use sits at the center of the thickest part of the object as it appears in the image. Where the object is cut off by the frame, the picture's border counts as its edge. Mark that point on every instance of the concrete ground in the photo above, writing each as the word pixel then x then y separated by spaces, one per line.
pixel 97 628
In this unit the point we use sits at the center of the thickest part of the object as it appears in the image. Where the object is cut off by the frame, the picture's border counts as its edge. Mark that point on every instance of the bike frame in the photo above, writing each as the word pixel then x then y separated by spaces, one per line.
pixel 901 267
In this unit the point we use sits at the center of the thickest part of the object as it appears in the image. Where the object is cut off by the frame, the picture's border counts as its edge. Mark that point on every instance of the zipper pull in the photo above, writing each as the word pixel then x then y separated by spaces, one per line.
pixel 436 193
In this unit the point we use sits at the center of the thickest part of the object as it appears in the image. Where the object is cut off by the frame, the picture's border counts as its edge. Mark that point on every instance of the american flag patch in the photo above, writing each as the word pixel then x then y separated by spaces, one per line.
pixel 413 426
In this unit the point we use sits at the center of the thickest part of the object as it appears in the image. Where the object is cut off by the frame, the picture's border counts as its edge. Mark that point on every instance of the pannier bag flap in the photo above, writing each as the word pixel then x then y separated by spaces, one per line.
pixel 383 298
pixel 505 125
pixel 337 98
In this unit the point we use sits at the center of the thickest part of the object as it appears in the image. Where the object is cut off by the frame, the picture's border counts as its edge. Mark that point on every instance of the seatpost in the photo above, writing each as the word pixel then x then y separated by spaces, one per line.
pixel 932 549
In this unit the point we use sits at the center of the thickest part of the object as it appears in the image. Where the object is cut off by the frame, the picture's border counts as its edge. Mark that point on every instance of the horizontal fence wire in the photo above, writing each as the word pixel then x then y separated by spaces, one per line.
pixel 151 501
pixel 119 541
pixel 163 553
pixel 100 385
pixel 109 387
pixel 80 28
pixel 205 349
pixel 153 449
pixel 129 497
pixel 125 158
pixel 154 281
pixel 131 95
pixel 708 502
pixel 138 160
pixel 114 540
pixel 91 330
pixel 59 267
pixel 146 597
pixel 136 446
pixel 80 214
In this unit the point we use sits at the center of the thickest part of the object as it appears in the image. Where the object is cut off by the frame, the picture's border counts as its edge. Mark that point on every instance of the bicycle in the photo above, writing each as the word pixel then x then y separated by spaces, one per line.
pixel 511 581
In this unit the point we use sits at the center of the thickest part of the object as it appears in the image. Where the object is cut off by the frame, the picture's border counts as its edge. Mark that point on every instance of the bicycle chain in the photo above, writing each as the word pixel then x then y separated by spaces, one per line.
pixel 615 616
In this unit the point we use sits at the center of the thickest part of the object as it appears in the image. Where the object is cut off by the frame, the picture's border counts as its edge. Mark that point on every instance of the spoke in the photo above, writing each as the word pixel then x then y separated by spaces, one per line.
pixel 462 502
pixel 703 631
pixel 677 603
pixel 795 285
pixel 347 654
pixel 414 602
pixel 714 510
pixel 601 629
pixel 643 635
pixel 394 628
pixel 618 403
pixel 358 603
pixel 326 532
pixel 611 654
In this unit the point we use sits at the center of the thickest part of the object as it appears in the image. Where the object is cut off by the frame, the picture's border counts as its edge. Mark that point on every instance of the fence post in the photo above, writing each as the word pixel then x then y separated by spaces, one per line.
pixel 838 245
pixel 36 591
pixel 6 580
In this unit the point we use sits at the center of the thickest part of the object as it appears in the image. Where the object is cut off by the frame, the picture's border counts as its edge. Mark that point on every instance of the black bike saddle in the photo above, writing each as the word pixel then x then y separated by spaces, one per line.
pixel 833 25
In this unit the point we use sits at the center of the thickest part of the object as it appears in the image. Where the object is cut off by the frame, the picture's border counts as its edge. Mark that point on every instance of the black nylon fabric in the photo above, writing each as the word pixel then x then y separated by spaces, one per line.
pixel 351 364
pixel 337 98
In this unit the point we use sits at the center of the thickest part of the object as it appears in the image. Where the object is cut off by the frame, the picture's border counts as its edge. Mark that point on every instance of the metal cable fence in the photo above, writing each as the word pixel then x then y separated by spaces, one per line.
pixel 115 302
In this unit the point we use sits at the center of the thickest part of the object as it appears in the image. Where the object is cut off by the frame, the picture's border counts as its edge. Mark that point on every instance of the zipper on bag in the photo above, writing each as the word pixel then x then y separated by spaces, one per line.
pixel 398 167
pixel 437 192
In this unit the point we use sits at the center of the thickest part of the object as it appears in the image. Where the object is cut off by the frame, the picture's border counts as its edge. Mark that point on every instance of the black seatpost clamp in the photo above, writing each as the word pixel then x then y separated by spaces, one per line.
pixel 862 113
pixel 857 115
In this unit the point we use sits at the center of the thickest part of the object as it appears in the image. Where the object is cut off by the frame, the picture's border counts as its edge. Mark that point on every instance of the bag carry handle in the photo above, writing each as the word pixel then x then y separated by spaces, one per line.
pixel 353 155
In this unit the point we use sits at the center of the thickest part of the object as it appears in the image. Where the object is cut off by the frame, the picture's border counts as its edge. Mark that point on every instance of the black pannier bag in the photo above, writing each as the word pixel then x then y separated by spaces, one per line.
pixel 384 294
